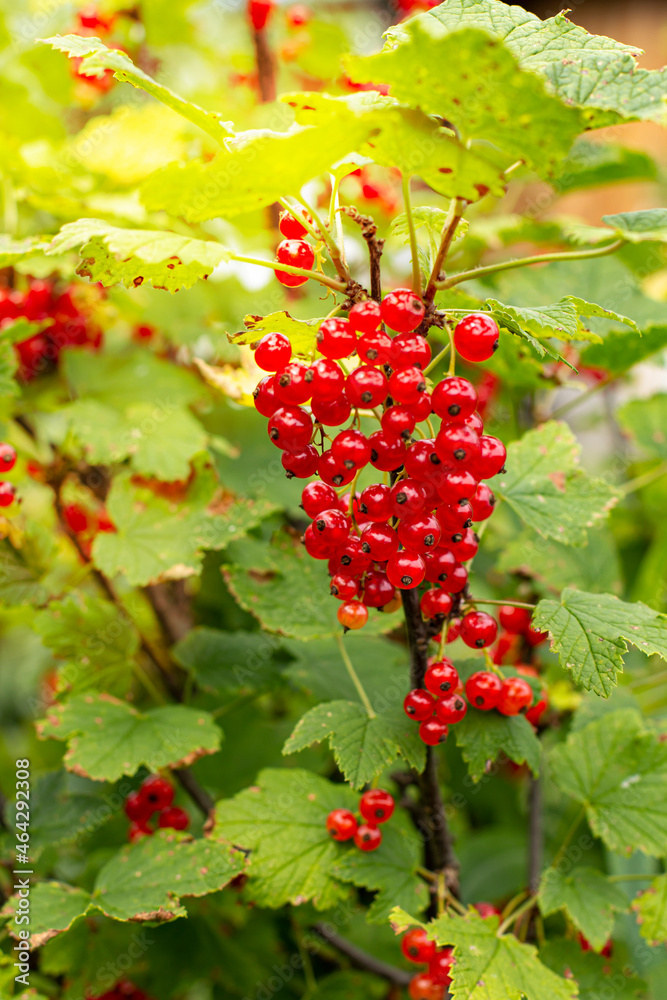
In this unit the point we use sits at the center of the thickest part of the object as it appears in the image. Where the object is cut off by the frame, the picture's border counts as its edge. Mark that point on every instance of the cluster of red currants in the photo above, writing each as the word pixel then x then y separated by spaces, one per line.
pixel 393 535
pixel 66 324
pixel 155 795
pixel 86 523
pixel 7 463
pixel 294 251
pixel 431 984
pixel 124 990
pixel 91 23
pixel 375 806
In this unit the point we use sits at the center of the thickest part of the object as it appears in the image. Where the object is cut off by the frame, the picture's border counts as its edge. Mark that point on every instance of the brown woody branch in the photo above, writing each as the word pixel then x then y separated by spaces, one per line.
pixel 361 959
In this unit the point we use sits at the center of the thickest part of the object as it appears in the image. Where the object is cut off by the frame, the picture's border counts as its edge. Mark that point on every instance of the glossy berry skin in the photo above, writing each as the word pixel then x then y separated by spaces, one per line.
pixel 516 695
pixel 476 337
pixel 399 420
pixel 454 398
pixel 331 472
pixel 419 533
pixel 421 459
pixel 406 570
pixel 332 525
pixel 332 412
pixel 515 620
pixel 264 395
pixel 424 987
pixel 422 408
pixel 137 808
pixel 406 385
pixel 7 494
pixel 467 547
pixel 352 615
pixel 416 946
pixel 351 448
pixel 535 712
pixel 457 485
pixel 259 12
pixel 375 502
pixel 457 444
pixel 380 541
pixel 290 227
pixel 317 497
pixel 475 422
pixel 336 339
pixel 327 379
pixel 483 503
pixel 439 564
pixel 353 559
pixel 456 580
pixel 315 545
pixel 440 966
pixel 432 732
pixel 451 709
pixel 486 910
pixel 368 838
pixel 491 458
pixel 407 497
pixel 302 463
pixel 173 818
pixel 375 348
pixel 293 384
pixel 441 678
pixel 290 428
pixel 341 824
pixel 534 637
pixel 483 690
pixel 376 806
pixel 7 458
pixel 402 310
pixel 378 589
pixel 366 386
pixel 478 629
pixel 387 451
pixel 435 602
pixel 454 516
pixel 157 792
pixel 273 352
pixel 419 705
pixel 345 588
pixel 411 349
pixel 77 518
pixel 294 253
pixel 365 317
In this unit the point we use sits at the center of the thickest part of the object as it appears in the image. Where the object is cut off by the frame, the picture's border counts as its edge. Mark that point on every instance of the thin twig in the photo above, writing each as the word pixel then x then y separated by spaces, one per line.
pixel 266 76
pixel 375 247
pixel 535 835
pixel 354 677
pixel 456 209
pixel 414 250
pixel 361 959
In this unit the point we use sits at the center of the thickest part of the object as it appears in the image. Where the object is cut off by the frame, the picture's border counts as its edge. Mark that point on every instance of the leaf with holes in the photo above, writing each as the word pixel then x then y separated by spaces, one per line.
pixel 301 334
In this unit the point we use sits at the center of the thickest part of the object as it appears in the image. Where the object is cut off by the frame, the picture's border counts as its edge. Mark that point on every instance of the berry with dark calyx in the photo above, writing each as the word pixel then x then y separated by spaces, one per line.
pixel 440 966
pixel 353 559
pixel 173 818
pixel 352 615
pixel 341 824
pixel 331 472
pixel 345 588
pixel 294 253
pixel 491 458
pixel 516 695
pixel 264 395
pixel 454 516
pixel 416 946
pixel 456 580
pixel 435 602
pixel 7 457
pixel 483 503
pixel 411 349
pixel 441 677
pixel 157 792
pixel 399 420
pixel 432 732
pixel 290 428
pixel 366 387
pixel 336 339
pixel 316 546
pixel 483 690
pixel 407 497
pixel 290 227
pixel 387 451
pixel 378 589
pixel 476 337
pixel 273 352
pixel 367 837
pixel 478 629
pixel 317 497
pixel 333 526
pixel 454 398
pixel 467 547
pixel 419 533
pixel 302 463
pixel 380 541
pixel 293 384
pixel 421 459
pixel 406 569
pixel 376 806
pixel 424 987
pixel 327 379
pixel 407 384
pixel 457 485
pixel 137 808
pixel 515 620
pixel 375 348
pixel 419 704
pixel 534 637
pixel 402 310
pixel 439 564
pixel 332 412
pixel 365 317
pixel 351 448
pixel 7 494
pixel 451 709
pixel 375 502
pixel 456 445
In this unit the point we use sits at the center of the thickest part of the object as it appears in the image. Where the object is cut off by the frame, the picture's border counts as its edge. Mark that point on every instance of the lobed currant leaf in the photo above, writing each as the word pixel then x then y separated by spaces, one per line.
pixel 651 909
pixel 554 566
pixel 486 736
pixel 587 897
pixel 645 421
pixel 229 662
pixel 590 164
pixel 621 349
pixel 301 334
pixel 592 972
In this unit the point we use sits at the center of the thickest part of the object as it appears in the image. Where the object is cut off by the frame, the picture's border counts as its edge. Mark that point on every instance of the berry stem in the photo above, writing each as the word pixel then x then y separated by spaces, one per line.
pixel 299 216
pixel 569 835
pixel 454 216
pixel 451 370
pixel 275 265
pixel 514 916
pixel 512 604
pixel 438 358
pixel 335 218
pixel 414 250
pixel 328 240
pixel 542 258
pixel 354 677
pixel 644 480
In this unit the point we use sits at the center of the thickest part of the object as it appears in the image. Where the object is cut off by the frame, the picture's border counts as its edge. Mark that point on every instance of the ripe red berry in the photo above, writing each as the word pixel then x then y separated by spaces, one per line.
pixel 476 337
pixel 475 422
pixel 259 12
pixel 402 310
pixel 332 525
pixel 341 824
pixel 515 620
pixel 331 472
pixel 368 838
pixel 486 910
pixel 440 966
pixel 264 394
pixel 290 427
pixel 317 497
pixel 491 458
pixel 77 518
pixel 407 497
pixel 451 709
pixel 456 486
pixel 466 548
pixel 137 808
pixel 535 712
pixel 294 253
pixel 424 987
pixel 406 569
pixel 454 398
pixel 387 451
pixel 407 384
pixel 483 690
pixel 439 565
pixel 332 412
pixel 345 588
pixel 435 602
pixel 516 695
pixel 454 516
pixel 441 677
pixel 478 629
pixel 157 792
pixel 7 494
pixel 353 559
pixel 456 580
pixel 422 407
pixel 380 541
pixel 534 637
pixel 290 227
pixel 327 379
pixel 316 546
pixel 336 339
pixel 375 348
pixel 411 349
pixel 376 805
pixel 352 615
pixel 483 502
pixel 351 448
pixel 419 704
pixel 365 316
pixel 375 502
pixel 421 459
pixel 138 831
pixel 366 386
pixel 273 351
pixel 419 533
pixel 7 458
pixel 416 946
pixel 399 420
pixel 378 589
pixel 432 732
pixel 293 384
pixel 457 444
pixel 173 818
pixel 302 463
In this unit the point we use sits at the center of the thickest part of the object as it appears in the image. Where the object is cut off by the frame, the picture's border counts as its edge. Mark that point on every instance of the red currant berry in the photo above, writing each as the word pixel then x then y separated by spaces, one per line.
pixel 352 615
pixel 483 690
pixel 375 348
pixel 379 541
pixel 456 486
pixel 378 589
pixel 441 677
pixel 432 732
pixel 273 351
pixel 454 517
pixel 535 712
pixel 341 824
pixel 365 316
pixel 475 422
pixel 516 620
pixel 327 379
pixel 451 709
pixel 264 394
pixel 406 385
pixel 486 910
pixel 157 792
pixel 457 444
pixel 478 629
pixel 419 705
pixel 422 408
pixel 376 806
pixel 435 602
pixel 316 546
pixel 411 349
pixel 137 832
pixel 137 808
pixel 293 384
pixel 290 227
pixel 440 966
pixel 173 818
pixel 387 451
pixel 454 630
pixel 317 497
pixel 402 310
pixel 290 428
pixel 332 412
pixel 368 838
pixel 259 12
pixel 336 339
pixel 407 497
pixel 7 494
pixel 534 637
pixel 375 502
pixel 424 987
pixel 351 449
pixel 345 588
pixel 465 547
pixel 406 570
pixel 454 398
pixel 399 420
pixel 416 946
pixel 333 526
pixel 353 559
pixel 294 253
pixel 516 695
pixel 491 458
pixel 7 458
pixel 332 473
pixel 78 519
pixel 421 459
pixel 439 564
pixel 419 533
pixel 483 502
pixel 456 580
pixel 366 387
pixel 302 463
pixel 476 337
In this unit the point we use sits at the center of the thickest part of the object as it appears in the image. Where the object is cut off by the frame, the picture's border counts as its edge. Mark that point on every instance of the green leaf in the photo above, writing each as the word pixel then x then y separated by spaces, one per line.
pixel 594 973
pixel 592 164
pixel 362 747
pixel 390 871
pixel 498 104
pixel 651 909
pixel 591 632
pixel 488 967
pixel 588 898
pixel 282 821
pixel 620 349
pixel 646 421
pixel 107 738
pixel 123 380
pixel 560 319
pixel 54 907
pixel 553 566
pixel 226 662
pixel 65 807
pixel 546 489
pixel 648 224
pixel 381 665
pixel 111 255
pixel 301 334
pixel 21 576
pixel 618 771
pixel 484 736
pixel 96 57
pixel 12 251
